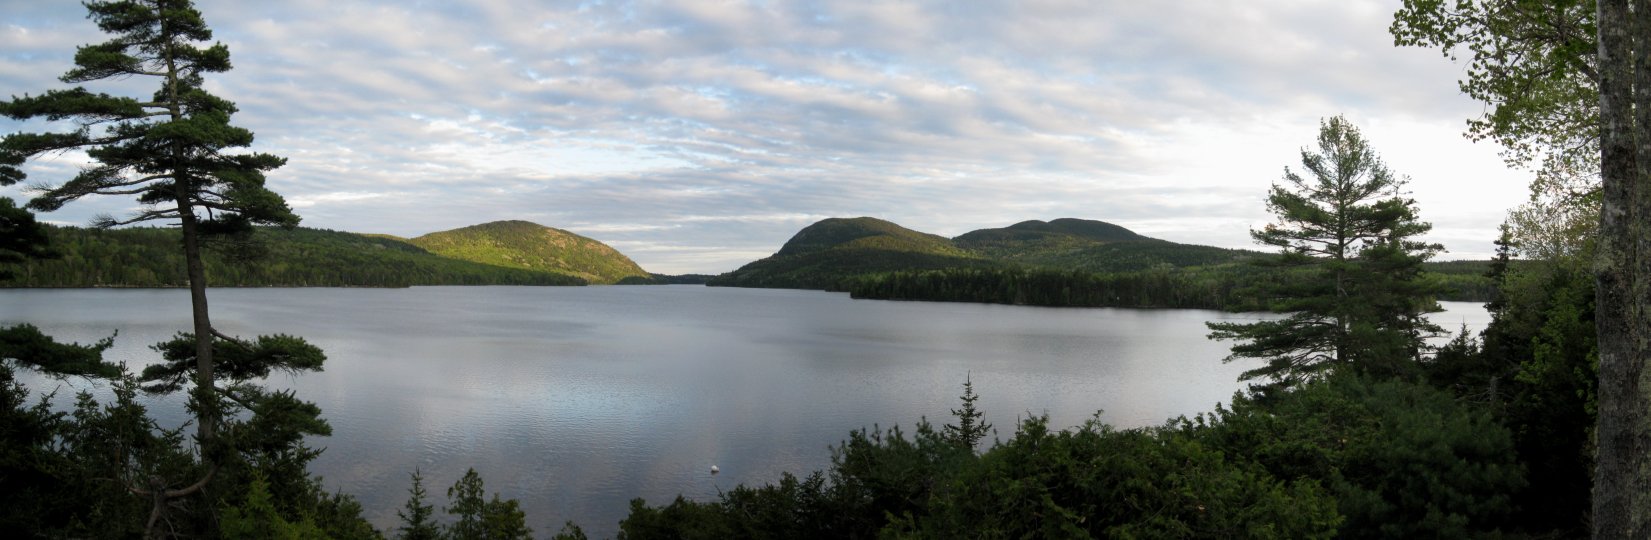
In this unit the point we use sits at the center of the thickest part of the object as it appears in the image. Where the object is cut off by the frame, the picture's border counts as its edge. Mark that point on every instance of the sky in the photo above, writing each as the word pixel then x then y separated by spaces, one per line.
pixel 696 136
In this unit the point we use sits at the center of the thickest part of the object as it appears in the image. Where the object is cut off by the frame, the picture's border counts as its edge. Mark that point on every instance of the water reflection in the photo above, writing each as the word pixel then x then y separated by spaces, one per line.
pixel 575 400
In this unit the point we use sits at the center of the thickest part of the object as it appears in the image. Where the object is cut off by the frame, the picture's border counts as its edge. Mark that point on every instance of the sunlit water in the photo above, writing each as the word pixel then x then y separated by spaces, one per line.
pixel 575 400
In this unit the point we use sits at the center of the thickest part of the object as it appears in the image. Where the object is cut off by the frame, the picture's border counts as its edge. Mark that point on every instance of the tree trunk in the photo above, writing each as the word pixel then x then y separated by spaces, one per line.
pixel 1622 478
pixel 204 380
pixel 207 417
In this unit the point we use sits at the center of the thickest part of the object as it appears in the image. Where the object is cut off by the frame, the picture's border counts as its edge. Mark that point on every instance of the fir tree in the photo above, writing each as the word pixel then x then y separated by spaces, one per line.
pixel 417 518
pixel 969 429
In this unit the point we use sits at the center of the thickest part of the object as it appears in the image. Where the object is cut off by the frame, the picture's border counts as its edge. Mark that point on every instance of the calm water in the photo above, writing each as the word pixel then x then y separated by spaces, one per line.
pixel 575 400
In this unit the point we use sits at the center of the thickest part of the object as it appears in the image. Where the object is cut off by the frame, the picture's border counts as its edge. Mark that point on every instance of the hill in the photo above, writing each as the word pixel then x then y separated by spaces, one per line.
pixel 1094 246
pixel 301 257
pixel 828 254
pixel 822 255
pixel 531 246
pixel 1063 262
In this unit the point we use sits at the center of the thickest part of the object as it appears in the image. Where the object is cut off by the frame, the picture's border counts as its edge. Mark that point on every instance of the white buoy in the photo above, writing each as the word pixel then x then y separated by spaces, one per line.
pixel 715 470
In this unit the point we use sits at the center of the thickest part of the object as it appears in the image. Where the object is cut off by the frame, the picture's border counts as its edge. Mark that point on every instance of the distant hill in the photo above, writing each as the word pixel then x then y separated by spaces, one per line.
pixel 825 254
pixel 531 246
pixel 1095 246
pixel 1036 232
pixel 821 255
pixel 301 257
pixel 1063 262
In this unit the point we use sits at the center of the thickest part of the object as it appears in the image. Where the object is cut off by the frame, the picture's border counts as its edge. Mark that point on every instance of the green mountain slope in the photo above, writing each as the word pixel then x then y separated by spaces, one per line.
pixel 530 246
pixel 822 255
pixel 1051 232
pixel 1095 246
pixel 827 254
pixel 150 257
pixel 1063 262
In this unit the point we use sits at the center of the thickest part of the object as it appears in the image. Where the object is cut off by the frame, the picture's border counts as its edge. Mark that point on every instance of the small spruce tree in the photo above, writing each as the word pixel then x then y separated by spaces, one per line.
pixel 969 429
pixel 417 516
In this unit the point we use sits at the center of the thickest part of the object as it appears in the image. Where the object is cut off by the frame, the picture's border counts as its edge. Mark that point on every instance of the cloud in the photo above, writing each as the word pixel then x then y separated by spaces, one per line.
pixel 704 124
pixel 325 198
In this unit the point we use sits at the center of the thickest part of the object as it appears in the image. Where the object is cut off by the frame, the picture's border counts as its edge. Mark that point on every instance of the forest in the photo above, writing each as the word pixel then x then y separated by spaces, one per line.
pixel 1354 427
pixel 1227 287
pixel 273 257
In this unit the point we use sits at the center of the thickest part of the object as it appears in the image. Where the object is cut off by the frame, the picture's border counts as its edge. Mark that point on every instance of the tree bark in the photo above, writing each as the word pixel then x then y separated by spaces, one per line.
pixel 204 335
pixel 205 384
pixel 1622 478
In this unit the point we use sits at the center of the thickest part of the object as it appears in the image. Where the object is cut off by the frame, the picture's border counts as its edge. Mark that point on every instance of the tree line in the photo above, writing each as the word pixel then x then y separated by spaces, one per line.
pixel 274 257
pixel 1228 287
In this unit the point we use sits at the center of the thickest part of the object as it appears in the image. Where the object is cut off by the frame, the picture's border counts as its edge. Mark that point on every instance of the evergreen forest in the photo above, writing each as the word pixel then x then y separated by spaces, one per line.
pixel 1354 426
pixel 273 257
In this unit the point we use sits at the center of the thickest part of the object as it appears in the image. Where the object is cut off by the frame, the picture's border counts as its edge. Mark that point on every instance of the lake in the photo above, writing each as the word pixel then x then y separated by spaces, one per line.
pixel 577 399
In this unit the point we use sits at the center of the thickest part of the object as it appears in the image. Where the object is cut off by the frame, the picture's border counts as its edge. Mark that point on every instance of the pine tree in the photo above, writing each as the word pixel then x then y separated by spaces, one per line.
pixel 1348 230
pixel 482 519
pixel 21 237
pixel 465 501
pixel 172 150
pixel 175 153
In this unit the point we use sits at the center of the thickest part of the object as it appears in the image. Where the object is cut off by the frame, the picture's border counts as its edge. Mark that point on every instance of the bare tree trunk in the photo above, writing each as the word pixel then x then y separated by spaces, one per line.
pixel 1622 478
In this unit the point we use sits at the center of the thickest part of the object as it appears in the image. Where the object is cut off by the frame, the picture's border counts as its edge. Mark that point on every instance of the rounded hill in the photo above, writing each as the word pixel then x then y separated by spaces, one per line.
pixel 528 245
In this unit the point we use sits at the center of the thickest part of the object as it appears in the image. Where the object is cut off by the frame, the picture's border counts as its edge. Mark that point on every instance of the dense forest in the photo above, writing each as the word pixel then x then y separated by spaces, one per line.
pixel 1227 287
pixel 273 257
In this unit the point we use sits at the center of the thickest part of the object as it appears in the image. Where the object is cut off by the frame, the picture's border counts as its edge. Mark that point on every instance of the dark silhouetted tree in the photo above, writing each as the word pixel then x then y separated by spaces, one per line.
pixel 21 237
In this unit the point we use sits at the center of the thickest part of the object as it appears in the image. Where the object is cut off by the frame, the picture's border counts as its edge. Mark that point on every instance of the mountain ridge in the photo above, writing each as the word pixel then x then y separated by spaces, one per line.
pixel 531 254
pixel 848 246
pixel 826 253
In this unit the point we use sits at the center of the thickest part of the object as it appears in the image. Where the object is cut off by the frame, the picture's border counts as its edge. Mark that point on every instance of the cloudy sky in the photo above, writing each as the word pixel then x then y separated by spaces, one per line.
pixel 699 135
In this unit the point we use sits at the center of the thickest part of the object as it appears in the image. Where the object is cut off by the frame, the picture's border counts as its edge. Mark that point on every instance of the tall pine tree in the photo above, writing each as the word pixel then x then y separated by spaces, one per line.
pixel 172 150
pixel 176 153
pixel 1347 228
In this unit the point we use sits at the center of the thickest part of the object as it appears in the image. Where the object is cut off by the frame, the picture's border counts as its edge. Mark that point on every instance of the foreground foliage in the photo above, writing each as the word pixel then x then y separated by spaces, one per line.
pixel 1346 457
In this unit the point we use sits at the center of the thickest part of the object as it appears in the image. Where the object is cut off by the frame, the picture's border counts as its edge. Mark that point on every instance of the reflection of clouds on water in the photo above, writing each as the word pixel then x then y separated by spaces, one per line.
pixel 576 400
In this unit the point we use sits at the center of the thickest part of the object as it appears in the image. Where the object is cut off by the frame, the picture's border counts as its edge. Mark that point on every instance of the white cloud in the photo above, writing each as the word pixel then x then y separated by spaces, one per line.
pixel 324 198
pixel 732 124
